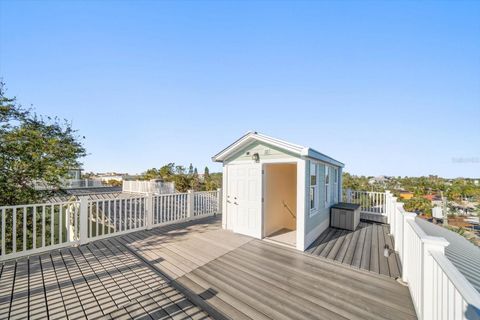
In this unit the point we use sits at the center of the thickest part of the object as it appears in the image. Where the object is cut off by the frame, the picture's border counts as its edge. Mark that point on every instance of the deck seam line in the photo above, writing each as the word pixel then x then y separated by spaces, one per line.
pixel 58 285
pixel 44 288
pixel 181 288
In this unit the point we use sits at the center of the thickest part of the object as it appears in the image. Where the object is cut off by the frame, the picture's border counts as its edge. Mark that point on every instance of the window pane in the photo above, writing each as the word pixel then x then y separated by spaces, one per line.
pixel 312 197
pixel 327 176
pixel 313 174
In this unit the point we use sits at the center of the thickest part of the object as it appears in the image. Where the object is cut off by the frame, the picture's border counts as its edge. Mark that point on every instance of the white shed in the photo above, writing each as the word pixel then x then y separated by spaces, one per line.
pixel 277 190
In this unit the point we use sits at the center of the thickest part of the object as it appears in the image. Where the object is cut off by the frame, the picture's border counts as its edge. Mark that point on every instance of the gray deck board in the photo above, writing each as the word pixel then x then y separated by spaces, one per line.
pixel 362 248
pixel 195 270
pixel 325 293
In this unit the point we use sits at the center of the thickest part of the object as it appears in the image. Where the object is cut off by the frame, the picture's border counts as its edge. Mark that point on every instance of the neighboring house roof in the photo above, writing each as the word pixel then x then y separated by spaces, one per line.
pixel 298 150
pixel 462 253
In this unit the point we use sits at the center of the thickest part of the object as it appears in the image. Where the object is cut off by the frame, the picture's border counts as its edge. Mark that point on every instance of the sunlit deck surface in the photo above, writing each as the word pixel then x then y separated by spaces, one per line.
pixel 194 270
pixel 362 248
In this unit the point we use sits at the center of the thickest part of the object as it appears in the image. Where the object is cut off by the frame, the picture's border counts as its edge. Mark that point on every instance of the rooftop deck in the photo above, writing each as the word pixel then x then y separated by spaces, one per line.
pixel 194 270
pixel 362 248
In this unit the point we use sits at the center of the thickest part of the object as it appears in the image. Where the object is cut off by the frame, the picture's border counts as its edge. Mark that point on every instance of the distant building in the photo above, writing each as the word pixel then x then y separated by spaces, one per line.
pixel 406 195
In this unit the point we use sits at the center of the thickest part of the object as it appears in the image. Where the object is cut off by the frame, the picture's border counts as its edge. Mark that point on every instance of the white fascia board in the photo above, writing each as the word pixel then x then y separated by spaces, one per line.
pixel 251 137
pixel 313 154
pixel 295 149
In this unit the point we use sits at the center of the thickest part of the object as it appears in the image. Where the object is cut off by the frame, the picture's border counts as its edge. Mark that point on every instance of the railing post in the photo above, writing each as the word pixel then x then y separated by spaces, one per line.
pixel 408 216
pixel 149 211
pixel 219 201
pixel 190 204
pixel 83 234
pixel 388 210
pixel 394 212
pixel 349 195
pixel 430 244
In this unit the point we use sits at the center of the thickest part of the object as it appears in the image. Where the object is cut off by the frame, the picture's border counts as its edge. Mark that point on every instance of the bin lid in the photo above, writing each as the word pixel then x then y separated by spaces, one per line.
pixel 345 205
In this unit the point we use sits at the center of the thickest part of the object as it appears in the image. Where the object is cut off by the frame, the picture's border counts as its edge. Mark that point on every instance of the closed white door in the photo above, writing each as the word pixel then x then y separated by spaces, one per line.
pixel 244 199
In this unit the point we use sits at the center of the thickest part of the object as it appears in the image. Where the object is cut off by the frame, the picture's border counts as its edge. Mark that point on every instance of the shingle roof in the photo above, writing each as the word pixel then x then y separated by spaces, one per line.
pixel 462 253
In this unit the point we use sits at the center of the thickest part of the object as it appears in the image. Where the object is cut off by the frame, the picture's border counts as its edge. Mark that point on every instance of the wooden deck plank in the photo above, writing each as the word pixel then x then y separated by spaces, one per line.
pixel 374 258
pixel 392 258
pixel 222 299
pixel 82 288
pixel 6 287
pixel 157 250
pixel 315 298
pixel 349 254
pixel 229 275
pixel 360 280
pixel 362 248
pixel 72 303
pixel 338 244
pixel 325 293
pixel 93 281
pixel 19 305
pixel 134 270
pixel 261 292
pixel 359 247
pixel 152 308
pixel 56 306
pixel 330 242
pixel 328 234
pixel 107 279
pixel 343 249
pixel 382 260
pixel 37 303
pixel 367 248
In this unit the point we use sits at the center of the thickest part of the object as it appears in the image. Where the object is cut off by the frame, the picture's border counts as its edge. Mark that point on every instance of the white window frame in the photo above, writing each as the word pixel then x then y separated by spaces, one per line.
pixel 335 184
pixel 313 189
pixel 327 185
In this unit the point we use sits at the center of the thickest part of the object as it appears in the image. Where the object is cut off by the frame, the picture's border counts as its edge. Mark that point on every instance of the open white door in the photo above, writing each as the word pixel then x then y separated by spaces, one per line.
pixel 244 199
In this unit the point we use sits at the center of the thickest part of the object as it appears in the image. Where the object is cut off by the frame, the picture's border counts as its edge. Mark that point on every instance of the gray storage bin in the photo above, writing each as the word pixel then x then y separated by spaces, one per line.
pixel 345 216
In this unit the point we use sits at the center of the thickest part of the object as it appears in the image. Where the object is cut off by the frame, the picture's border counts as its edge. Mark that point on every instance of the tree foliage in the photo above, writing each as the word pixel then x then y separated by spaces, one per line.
pixel 418 205
pixel 33 148
pixel 454 189
pixel 185 179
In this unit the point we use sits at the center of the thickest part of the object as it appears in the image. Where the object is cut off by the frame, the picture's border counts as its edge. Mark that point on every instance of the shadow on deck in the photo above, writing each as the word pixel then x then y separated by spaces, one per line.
pixel 194 270
pixel 362 248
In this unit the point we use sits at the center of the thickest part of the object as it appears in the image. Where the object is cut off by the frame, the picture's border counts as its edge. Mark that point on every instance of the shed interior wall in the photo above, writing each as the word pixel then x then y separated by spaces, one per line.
pixel 280 191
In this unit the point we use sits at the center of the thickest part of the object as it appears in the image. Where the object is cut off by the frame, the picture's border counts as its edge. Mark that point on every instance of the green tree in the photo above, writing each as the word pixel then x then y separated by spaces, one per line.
pixel 419 205
pixel 33 148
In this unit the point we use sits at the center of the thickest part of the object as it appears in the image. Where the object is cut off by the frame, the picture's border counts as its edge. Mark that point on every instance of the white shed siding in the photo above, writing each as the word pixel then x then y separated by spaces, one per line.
pixel 264 150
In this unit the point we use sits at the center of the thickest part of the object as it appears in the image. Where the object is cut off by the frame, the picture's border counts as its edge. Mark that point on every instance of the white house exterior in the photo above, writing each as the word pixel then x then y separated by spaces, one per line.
pixel 279 190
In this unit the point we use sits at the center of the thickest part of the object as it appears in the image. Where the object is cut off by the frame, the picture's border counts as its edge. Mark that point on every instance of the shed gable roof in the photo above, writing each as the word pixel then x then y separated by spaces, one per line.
pixel 253 136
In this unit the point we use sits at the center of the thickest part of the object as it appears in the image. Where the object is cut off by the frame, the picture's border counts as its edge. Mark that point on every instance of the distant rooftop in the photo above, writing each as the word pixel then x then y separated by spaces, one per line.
pixel 462 253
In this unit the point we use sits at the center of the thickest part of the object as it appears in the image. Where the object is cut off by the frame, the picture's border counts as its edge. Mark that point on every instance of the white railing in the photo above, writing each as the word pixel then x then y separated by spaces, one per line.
pixel 113 216
pixel 70 184
pixel 370 202
pixel 38 227
pixel 155 187
pixel 437 288
pixel 31 229
pixel 171 207
pixel 205 202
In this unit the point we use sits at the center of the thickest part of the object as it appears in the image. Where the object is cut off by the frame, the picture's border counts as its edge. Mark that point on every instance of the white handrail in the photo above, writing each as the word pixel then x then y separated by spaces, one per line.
pixel 370 202
pixel 437 288
pixel 155 187
pixel 31 229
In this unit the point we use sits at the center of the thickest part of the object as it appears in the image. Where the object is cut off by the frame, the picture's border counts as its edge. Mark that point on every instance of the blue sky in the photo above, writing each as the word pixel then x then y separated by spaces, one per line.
pixel 386 87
